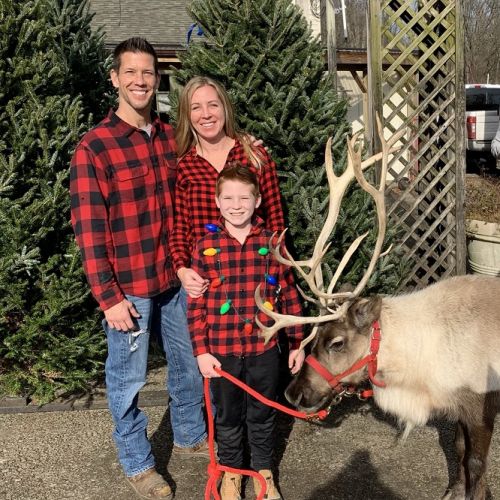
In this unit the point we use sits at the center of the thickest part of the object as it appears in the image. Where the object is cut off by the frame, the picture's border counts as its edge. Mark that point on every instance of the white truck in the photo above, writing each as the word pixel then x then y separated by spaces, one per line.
pixel 482 118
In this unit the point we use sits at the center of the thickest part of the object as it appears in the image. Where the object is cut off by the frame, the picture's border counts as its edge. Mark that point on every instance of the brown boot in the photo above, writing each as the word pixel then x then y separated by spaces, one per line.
pixel 230 488
pixel 198 450
pixel 272 492
pixel 149 484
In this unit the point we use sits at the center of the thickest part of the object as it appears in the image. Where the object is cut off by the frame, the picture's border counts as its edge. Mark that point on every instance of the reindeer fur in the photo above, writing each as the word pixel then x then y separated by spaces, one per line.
pixel 440 346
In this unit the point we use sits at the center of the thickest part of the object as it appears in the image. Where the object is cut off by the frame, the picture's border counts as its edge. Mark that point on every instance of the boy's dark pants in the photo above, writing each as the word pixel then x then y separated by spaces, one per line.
pixel 235 407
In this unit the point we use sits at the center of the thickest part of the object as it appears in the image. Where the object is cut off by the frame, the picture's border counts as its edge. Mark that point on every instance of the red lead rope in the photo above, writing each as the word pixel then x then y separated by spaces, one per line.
pixel 214 469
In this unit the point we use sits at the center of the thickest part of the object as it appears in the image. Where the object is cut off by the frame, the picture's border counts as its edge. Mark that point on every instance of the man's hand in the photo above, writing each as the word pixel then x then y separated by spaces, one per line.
pixel 254 141
pixel 206 364
pixel 192 282
pixel 120 316
pixel 296 360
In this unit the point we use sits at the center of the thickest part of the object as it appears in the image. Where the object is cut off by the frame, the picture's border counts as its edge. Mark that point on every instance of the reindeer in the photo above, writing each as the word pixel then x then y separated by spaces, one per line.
pixel 433 352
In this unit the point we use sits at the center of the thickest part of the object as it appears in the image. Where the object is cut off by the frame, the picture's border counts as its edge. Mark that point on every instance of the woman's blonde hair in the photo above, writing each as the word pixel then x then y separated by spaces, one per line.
pixel 185 135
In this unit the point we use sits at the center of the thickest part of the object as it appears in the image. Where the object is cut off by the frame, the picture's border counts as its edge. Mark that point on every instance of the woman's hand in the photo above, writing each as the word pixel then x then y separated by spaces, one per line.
pixel 206 364
pixel 192 282
pixel 296 360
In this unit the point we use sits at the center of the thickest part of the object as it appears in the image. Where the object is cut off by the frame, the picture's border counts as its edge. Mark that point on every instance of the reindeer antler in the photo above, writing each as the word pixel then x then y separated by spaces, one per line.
pixel 283 320
pixel 310 269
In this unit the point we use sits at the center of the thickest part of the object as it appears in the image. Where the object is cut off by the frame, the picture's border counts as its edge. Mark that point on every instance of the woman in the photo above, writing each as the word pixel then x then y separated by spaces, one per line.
pixel 208 140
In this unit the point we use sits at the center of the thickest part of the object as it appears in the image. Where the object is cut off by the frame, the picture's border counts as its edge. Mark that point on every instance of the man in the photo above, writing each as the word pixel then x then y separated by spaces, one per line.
pixel 495 147
pixel 122 190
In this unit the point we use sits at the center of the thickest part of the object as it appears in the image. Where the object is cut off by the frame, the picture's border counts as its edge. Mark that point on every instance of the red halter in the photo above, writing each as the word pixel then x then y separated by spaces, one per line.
pixel 370 359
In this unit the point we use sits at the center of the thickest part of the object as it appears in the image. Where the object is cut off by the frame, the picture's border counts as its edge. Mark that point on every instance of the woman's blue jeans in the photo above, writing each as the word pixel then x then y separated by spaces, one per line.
pixel 126 373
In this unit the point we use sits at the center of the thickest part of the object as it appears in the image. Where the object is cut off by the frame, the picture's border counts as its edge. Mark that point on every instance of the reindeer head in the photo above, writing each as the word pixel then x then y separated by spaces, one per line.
pixel 338 345
pixel 341 330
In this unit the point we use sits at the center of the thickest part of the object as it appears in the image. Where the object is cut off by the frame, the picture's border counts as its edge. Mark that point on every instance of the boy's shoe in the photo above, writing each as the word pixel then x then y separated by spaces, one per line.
pixel 149 484
pixel 198 450
pixel 272 492
pixel 230 488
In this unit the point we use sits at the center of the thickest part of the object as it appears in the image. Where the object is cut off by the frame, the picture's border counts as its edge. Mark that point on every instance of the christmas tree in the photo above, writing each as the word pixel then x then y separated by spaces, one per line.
pixel 263 52
pixel 52 89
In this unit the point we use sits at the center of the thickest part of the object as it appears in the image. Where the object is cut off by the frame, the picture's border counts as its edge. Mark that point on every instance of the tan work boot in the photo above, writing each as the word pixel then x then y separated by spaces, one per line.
pixel 230 488
pixel 149 484
pixel 198 450
pixel 272 492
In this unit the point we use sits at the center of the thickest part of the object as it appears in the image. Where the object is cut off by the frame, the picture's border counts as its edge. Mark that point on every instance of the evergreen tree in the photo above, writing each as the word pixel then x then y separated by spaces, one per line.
pixel 52 88
pixel 263 52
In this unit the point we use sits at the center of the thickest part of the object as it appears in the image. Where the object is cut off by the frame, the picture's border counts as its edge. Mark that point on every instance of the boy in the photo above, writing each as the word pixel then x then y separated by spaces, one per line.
pixel 234 256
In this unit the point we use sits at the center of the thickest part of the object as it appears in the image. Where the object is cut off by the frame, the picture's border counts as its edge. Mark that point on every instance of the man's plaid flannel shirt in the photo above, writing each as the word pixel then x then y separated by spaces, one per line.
pixel 243 269
pixel 195 200
pixel 122 187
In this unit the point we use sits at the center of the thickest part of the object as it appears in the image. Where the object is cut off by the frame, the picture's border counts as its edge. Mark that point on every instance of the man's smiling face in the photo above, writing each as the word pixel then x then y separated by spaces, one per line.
pixel 136 81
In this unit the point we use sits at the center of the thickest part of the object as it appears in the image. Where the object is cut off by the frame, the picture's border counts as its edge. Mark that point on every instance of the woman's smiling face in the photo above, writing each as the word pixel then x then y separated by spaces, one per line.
pixel 207 114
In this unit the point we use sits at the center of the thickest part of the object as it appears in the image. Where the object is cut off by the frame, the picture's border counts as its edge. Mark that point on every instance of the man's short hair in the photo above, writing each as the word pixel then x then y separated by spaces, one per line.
pixel 135 44
pixel 236 171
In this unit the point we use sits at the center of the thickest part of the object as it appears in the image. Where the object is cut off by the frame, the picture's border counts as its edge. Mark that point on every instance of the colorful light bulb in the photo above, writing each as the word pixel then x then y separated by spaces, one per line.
pixel 248 327
pixel 217 282
pixel 268 305
pixel 263 251
pixel 224 308
pixel 213 228
pixel 272 280
pixel 210 252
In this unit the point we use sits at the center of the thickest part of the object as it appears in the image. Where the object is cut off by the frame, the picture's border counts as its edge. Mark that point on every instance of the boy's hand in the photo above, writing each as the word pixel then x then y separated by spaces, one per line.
pixel 296 360
pixel 192 282
pixel 206 364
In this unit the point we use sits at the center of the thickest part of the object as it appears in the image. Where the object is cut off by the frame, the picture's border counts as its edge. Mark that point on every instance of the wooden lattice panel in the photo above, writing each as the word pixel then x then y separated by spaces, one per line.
pixel 419 75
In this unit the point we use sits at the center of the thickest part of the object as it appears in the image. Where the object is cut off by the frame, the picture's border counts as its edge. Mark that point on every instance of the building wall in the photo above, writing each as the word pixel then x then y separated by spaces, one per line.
pixel 314 21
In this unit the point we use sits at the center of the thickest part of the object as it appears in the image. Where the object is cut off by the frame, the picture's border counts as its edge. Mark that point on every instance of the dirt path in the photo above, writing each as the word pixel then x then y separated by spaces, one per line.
pixel 70 455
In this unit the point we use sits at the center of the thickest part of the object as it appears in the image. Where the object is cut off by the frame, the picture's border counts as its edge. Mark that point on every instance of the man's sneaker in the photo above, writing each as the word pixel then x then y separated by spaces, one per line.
pixel 149 484
pixel 198 450
pixel 272 492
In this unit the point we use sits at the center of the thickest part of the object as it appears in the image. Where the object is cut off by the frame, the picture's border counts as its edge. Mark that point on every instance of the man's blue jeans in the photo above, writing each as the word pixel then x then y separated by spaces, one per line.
pixel 126 373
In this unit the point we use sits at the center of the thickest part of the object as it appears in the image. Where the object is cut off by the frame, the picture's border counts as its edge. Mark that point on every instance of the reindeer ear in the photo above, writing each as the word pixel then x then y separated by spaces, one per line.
pixel 363 312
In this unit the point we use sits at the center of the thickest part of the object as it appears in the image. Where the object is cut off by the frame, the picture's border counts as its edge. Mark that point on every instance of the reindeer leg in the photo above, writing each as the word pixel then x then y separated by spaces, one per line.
pixel 457 491
pixel 476 453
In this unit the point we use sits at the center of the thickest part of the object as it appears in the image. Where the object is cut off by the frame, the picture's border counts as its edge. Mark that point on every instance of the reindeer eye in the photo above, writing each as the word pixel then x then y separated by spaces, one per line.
pixel 336 344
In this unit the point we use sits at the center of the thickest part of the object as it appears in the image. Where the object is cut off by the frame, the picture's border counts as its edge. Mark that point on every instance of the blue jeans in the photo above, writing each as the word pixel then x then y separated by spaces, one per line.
pixel 126 373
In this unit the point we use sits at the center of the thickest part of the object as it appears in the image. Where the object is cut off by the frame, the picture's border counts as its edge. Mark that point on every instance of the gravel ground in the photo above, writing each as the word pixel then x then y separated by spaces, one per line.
pixel 354 455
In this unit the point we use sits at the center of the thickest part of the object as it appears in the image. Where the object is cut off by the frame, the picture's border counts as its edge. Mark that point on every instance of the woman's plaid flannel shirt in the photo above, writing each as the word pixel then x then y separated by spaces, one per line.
pixel 195 200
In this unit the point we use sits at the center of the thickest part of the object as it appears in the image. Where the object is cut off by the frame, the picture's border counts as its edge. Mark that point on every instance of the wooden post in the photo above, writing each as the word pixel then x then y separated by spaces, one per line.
pixel 461 252
pixel 331 40
pixel 375 105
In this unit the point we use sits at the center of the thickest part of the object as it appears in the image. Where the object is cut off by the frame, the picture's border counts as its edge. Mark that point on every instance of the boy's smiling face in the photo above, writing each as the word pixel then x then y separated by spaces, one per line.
pixel 237 203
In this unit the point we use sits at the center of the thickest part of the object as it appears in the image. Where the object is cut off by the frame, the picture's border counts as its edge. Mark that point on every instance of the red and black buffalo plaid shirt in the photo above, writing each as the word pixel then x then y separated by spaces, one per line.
pixel 195 200
pixel 122 186
pixel 242 268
